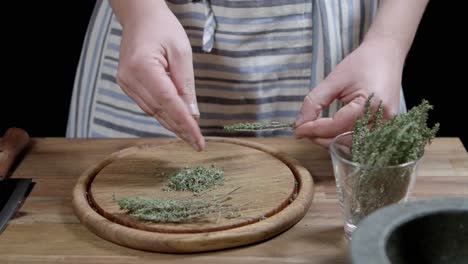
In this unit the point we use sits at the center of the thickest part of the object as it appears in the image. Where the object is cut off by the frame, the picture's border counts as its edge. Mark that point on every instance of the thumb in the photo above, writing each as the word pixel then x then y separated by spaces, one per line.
pixel 320 97
pixel 181 69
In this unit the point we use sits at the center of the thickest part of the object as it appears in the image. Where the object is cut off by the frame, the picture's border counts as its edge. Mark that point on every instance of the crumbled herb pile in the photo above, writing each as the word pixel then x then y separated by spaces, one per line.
pixel 258 126
pixel 377 143
pixel 196 179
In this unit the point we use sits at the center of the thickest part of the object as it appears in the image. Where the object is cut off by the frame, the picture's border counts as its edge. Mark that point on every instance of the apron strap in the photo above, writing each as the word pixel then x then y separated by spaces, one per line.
pixel 209 27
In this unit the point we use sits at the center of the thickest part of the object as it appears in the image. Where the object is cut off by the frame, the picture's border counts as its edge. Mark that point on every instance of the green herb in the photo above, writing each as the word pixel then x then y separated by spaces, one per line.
pixel 399 140
pixel 175 210
pixel 196 179
pixel 377 144
pixel 257 126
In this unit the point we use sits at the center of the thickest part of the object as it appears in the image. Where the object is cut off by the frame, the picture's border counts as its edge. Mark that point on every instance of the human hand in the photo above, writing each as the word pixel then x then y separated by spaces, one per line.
pixel 154 43
pixel 374 67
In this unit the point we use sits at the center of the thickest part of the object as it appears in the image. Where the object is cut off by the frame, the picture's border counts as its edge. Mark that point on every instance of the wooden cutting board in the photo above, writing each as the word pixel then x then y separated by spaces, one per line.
pixel 271 191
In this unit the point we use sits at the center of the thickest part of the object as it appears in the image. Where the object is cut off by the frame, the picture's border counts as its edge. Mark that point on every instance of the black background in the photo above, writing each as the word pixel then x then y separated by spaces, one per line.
pixel 42 44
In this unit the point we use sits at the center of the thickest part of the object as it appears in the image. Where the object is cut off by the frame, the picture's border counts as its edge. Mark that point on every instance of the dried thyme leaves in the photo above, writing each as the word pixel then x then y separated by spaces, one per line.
pixel 196 179
pixel 175 210
pixel 257 126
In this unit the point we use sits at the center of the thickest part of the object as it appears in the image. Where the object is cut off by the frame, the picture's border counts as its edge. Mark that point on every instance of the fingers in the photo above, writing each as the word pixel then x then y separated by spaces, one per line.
pixel 181 69
pixel 140 102
pixel 329 127
pixel 324 142
pixel 154 92
pixel 169 106
pixel 320 97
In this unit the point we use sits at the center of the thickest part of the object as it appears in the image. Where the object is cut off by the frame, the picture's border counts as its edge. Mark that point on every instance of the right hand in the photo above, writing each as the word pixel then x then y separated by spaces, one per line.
pixel 375 67
pixel 154 43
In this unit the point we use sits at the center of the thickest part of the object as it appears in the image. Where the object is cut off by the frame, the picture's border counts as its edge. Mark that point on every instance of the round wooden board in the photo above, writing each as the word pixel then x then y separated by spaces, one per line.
pixel 271 192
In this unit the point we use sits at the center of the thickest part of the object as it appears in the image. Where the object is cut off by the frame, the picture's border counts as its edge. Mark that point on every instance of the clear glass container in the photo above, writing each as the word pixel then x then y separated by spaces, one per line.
pixel 363 189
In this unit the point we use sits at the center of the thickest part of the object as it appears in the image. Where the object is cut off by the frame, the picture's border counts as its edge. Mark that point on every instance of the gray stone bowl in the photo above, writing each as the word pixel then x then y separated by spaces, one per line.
pixel 424 231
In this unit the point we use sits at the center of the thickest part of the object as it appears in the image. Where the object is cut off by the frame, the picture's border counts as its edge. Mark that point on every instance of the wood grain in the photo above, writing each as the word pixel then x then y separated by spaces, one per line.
pixel 46 230
pixel 272 192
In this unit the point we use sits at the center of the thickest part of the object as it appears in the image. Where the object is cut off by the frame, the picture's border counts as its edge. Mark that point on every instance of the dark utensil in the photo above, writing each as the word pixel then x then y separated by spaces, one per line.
pixel 419 231
pixel 12 191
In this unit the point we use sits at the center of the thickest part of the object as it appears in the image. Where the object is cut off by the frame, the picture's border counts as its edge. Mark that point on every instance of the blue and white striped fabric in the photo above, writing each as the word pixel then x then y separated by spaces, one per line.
pixel 265 57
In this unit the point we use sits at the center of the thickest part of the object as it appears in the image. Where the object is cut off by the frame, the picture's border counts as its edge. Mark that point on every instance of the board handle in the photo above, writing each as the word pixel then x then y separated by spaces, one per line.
pixel 14 141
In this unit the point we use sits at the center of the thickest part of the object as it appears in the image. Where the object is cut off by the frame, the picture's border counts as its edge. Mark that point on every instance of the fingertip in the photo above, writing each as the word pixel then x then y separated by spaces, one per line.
pixel 299 120
pixel 193 110
pixel 298 135
pixel 310 110
pixel 202 144
pixel 323 142
pixel 304 130
pixel 196 146
pixel 196 117
pixel 199 143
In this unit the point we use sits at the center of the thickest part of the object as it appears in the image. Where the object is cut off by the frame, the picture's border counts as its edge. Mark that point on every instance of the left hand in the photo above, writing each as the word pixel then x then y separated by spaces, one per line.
pixel 374 67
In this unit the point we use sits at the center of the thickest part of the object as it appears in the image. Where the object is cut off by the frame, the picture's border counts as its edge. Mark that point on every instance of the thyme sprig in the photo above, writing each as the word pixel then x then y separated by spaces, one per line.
pixel 258 126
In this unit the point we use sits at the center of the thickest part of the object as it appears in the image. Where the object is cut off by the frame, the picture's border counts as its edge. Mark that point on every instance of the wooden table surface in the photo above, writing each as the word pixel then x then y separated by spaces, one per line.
pixel 47 231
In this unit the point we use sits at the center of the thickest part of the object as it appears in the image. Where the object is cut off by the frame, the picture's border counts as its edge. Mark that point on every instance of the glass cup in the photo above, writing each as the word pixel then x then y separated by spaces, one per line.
pixel 363 189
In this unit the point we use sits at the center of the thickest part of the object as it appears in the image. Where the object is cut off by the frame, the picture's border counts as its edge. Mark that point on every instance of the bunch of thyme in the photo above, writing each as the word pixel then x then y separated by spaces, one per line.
pixel 379 144
pixel 196 179
pixel 397 141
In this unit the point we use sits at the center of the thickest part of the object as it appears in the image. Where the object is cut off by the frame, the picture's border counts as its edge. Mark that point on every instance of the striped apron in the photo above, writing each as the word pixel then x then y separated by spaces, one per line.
pixel 253 61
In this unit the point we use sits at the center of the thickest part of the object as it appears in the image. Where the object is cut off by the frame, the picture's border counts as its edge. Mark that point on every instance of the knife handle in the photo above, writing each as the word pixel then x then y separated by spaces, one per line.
pixel 14 142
